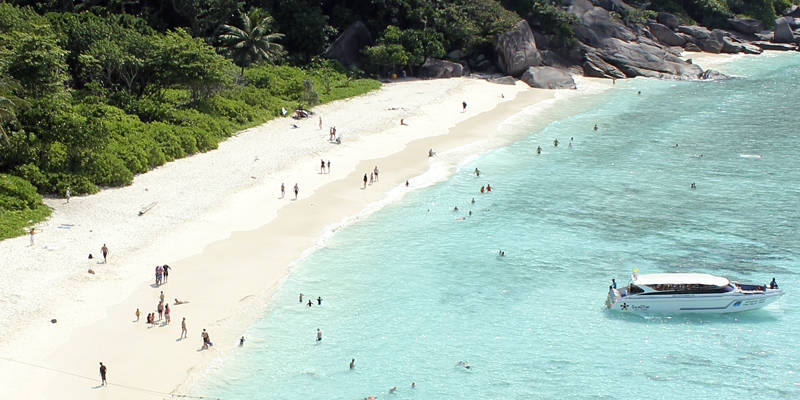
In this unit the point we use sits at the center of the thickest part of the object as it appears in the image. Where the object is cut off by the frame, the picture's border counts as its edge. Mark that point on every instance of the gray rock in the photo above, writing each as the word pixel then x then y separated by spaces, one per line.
pixel 686 38
pixel 436 68
pixel 776 46
pixel 456 55
pixel 783 33
pixel 484 65
pixel 504 80
pixel 668 20
pixel 711 74
pixel 727 45
pixel 793 11
pixel 548 78
pixel 692 47
pixel 697 32
pixel 665 35
pixel 596 67
pixel 516 50
pixel 794 23
pixel 347 47
pixel 748 48
pixel 746 25
pixel 617 6
pixel 551 59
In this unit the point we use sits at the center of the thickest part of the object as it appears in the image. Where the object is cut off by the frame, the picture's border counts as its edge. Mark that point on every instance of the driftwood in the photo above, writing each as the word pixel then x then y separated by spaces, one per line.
pixel 147 208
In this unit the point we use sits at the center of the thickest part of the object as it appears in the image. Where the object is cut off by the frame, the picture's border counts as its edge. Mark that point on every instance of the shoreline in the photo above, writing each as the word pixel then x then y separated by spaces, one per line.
pixel 72 344
pixel 216 234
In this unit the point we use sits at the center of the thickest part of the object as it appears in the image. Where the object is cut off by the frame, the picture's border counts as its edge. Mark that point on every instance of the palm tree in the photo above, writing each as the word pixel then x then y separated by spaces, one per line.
pixel 9 104
pixel 248 44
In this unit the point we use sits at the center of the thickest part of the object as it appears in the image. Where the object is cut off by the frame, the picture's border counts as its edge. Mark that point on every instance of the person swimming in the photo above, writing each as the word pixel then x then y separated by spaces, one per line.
pixel 539 150
pixel 473 200
pixel 595 126
pixel 455 208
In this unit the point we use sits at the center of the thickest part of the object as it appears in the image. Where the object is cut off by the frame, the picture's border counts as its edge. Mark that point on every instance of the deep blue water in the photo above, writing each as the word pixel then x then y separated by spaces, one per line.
pixel 412 290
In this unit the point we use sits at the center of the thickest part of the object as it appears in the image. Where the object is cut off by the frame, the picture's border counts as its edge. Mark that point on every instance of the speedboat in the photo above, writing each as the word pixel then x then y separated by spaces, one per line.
pixel 689 292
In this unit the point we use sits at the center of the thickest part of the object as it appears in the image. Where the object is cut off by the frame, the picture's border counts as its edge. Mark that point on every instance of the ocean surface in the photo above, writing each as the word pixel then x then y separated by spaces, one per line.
pixel 412 289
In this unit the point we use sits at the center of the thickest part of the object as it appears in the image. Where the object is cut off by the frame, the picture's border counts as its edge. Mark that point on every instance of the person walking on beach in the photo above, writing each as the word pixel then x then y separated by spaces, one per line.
pixel 321 166
pixel 319 335
pixel 376 173
pixel 283 191
pixel 464 106
pixel 365 186
pixel 68 194
pixel 206 339
pixel 161 297
pixel 103 370
pixel 166 313
pixel 137 315
pixel 329 166
pixel 320 123
pixel 104 250
pixel 371 176
pixel 32 233
pixel 184 332
pixel 166 274
pixel 296 191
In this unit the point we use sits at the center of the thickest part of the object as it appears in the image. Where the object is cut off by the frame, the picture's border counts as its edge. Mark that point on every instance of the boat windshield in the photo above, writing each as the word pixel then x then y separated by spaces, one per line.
pixel 690 288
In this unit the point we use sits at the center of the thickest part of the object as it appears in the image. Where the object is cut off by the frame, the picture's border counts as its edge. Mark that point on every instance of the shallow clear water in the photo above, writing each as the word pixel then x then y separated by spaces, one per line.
pixel 412 290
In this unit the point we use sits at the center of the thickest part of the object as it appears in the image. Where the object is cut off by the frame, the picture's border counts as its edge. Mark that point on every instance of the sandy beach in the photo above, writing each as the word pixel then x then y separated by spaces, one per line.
pixel 218 219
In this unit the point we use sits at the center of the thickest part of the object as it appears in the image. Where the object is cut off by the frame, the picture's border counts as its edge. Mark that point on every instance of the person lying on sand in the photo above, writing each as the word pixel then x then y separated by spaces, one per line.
pixel 180 302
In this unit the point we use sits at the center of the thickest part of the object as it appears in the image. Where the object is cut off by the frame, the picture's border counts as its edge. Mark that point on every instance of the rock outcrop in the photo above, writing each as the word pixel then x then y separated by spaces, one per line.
pixel 516 50
pixel 783 32
pixel 548 78
pixel 436 68
pixel 665 35
pixel 347 47
pixel 668 20
pixel 614 50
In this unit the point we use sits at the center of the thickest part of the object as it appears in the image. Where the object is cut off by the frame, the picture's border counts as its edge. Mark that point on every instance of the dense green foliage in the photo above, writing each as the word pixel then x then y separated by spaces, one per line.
pixel 714 13
pixel 20 205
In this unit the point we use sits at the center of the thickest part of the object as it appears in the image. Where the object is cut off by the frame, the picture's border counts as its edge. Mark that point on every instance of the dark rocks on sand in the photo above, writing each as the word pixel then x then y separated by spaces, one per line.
pixel 436 68
pixel 551 59
pixel 516 50
pixel 347 47
pixel 746 25
pixel 548 78
pixel 776 46
pixel 503 80
pixel 711 74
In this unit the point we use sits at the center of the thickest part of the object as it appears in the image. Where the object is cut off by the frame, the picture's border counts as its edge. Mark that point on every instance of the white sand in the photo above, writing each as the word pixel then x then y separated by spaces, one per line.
pixel 221 224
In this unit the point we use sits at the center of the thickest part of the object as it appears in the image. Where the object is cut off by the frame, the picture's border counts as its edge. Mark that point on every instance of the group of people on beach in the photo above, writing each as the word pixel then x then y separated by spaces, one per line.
pixel 373 177
pixel 162 274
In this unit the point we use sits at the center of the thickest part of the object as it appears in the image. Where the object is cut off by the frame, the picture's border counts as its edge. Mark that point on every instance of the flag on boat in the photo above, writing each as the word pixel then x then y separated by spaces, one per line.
pixel 635 273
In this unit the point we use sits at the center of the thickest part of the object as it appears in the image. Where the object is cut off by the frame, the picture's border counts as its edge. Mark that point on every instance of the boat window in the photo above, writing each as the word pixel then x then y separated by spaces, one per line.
pixel 635 289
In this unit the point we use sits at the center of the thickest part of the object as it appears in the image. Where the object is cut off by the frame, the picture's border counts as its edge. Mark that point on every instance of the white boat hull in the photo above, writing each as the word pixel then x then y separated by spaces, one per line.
pixel 695 303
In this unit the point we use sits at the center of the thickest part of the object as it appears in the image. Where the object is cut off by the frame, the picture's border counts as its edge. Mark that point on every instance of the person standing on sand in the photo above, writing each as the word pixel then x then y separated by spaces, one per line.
pixel 329 166
pixel 371 176
pixel 321 166
pixel 206 339
pixel 137 315
pixel 376 173
pixel 166 275
pixel 320 123
pixel 464 105
pixel 103 370
pixel 296 191
pixel 184 332
pixel 104 250
pixel 160 310
pixel 319 335
pixel 166 313
pixel 161 297
pixel 283 191
pixel 68 194
pixel 32 232
pixel 365 186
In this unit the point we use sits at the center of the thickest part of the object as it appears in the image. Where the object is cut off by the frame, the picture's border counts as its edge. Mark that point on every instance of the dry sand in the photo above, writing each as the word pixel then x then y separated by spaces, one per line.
pixel 220 223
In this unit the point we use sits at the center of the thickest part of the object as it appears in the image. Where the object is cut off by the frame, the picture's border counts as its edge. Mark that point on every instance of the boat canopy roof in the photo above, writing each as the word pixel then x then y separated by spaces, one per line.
pixel 680 279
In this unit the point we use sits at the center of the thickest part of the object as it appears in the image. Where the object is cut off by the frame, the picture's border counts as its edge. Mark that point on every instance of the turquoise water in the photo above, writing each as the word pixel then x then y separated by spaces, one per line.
pixel 412 290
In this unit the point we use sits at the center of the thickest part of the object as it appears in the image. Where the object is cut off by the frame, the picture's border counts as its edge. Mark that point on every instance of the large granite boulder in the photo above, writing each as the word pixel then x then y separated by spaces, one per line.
pixel 703 38
pixel 668 20
pixel 347 47
pixel 503 80
pixel 746 25
pixel 436 68
pixel 548 78
pixel 776 46
pixel 516 50
pixel 665 35
pixel 713 75
pixel 551 59
pixel 783 33
pixel 793 11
